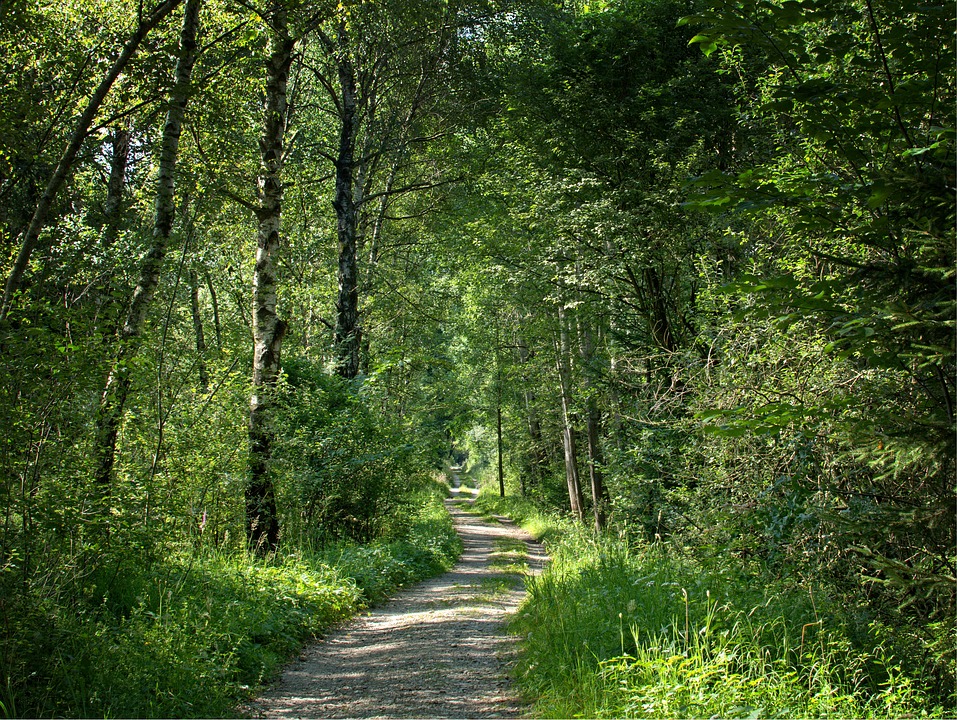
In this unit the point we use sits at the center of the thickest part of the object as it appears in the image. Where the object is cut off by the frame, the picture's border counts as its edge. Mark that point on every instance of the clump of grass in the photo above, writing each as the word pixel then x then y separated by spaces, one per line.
pixel 612 630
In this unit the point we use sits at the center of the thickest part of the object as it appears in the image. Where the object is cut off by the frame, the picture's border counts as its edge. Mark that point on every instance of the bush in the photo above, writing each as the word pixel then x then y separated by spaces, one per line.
pixel 346 474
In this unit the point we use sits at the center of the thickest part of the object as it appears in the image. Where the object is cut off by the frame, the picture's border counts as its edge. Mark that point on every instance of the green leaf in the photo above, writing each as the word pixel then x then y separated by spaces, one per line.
pixel 705 42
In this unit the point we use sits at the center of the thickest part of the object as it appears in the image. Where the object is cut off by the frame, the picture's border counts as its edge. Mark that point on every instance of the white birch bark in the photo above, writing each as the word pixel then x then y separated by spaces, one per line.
pixel 262 523
pixel 118 383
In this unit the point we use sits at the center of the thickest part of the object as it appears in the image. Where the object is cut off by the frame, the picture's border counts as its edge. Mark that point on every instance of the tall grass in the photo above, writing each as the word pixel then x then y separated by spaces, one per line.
pixel 615 629
pixel 194 635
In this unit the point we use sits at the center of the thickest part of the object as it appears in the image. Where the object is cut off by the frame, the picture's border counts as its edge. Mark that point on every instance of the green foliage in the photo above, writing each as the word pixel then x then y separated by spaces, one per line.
pixel 194 635
pixel 186 638
pixel 426 545
pixel 347 472
pixel 613 630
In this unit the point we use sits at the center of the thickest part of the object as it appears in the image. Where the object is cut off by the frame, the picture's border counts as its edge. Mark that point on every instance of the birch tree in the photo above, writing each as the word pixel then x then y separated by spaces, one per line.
pixel 31 235
pixel 113 401
pixel 262 523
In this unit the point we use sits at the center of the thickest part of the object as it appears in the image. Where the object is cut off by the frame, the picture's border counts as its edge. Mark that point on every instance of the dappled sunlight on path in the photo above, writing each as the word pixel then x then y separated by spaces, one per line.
pixel 439 649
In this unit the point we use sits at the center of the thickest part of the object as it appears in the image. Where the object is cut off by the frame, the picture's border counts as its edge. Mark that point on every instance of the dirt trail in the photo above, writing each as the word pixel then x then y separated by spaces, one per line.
pixel 438 650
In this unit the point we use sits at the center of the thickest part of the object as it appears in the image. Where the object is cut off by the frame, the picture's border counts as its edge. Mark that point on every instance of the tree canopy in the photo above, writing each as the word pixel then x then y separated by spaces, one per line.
pixel 683 269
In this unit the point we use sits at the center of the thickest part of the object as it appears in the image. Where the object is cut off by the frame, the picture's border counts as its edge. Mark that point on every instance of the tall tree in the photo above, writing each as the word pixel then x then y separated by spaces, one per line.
pixel 31 235
pixel 262 522
pixel 563 359
pixel 593 424
pixel 113 401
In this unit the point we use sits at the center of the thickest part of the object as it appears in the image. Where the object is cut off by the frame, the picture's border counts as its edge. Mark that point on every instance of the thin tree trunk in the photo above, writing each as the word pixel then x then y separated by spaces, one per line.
pixel 537 456
pixel 347 334
pixel 118 383
pixel 501 471
pixel 105 298
pixel 198 331
pixel 661 329
pixel 563 358
pixel 262 522
pixel 378 221
pixel 62 171
pixel 119 161
pixel 593 427
pixel 215 303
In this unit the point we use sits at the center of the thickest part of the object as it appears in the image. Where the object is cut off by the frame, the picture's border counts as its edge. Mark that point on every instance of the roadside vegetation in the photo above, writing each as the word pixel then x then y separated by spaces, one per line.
pixel 682 270
pixel 618 627
pixel 194 634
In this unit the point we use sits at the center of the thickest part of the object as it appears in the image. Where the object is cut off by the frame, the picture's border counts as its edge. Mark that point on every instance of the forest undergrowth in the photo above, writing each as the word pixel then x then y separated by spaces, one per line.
pixel 194 634
pixel 623 628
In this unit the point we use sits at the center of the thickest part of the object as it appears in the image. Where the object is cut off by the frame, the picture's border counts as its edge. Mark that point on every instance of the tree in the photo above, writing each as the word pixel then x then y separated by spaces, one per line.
pixel 113 401
pixel 262 522
pixel 31 235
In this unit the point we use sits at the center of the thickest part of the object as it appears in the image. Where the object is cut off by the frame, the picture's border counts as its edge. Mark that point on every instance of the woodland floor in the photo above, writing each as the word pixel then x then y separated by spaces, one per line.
pixel 437 650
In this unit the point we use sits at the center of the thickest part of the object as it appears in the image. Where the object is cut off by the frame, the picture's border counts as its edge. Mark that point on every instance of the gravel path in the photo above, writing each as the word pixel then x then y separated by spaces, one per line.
pixel 438 650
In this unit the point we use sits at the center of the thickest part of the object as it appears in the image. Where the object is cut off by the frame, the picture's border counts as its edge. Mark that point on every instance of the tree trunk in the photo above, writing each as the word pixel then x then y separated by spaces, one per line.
pixel 105 297
pixel 117 387
pixel 661 329
pixel 215 303
pixel 119 161
pixel 501 471
pixel 65 165
pixel 537 456
pixel 593 425
pixel 198 331
pixel 347 334
pixel 262 522
pixel 563 359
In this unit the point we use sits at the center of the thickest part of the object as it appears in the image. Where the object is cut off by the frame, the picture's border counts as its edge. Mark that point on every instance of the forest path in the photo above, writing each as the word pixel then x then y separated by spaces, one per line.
pixel 437 650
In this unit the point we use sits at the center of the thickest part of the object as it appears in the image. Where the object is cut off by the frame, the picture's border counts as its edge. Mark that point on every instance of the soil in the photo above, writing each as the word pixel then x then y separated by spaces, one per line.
pixel 437 650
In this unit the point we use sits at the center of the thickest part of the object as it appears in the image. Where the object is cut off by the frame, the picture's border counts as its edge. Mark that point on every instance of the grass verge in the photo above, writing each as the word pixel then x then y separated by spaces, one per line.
pixel 612 629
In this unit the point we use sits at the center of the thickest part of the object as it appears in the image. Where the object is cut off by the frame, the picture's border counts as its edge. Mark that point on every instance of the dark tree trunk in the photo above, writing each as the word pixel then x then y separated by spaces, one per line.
pixel 262 522
pixel 108 308
pixel 661 328
pixel 537 455
pixel 112 207
pixel 198 331
pixel 593 427
pixel 215 303
pixel 347 334
pixel 563 357
pixel 501 471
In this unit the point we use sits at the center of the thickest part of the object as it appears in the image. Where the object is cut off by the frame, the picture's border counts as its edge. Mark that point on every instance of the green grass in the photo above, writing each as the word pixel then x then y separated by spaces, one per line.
pixel 541 525
pixel 194 635
pixel 655 631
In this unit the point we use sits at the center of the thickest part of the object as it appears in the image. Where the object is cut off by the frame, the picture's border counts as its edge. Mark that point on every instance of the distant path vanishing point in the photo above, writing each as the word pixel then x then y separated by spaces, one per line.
pixel 438 650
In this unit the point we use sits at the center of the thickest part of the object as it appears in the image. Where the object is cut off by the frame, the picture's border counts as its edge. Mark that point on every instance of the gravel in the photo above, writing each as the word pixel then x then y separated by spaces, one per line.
pixel 437 650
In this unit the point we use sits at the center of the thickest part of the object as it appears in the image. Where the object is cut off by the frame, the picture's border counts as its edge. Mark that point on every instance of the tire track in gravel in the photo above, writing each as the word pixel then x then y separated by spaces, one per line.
pixel 437 650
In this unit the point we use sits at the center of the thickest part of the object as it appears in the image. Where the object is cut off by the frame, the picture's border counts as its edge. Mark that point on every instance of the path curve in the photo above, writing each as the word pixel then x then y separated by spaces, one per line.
pixel 438 650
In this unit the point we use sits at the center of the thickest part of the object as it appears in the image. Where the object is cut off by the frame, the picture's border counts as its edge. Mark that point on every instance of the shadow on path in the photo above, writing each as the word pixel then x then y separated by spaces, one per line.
pixel 439 649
